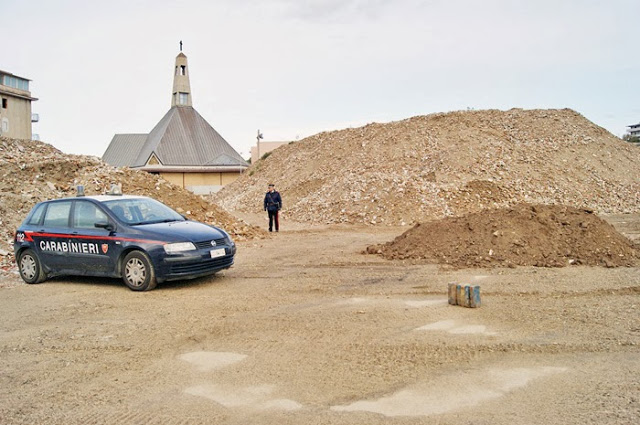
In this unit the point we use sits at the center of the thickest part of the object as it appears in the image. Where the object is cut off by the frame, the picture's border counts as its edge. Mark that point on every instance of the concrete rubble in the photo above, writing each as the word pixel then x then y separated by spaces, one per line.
pixel 445 164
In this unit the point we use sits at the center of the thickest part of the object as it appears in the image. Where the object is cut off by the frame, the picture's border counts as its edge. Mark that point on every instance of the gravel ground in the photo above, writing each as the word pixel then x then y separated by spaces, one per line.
pixel 305 329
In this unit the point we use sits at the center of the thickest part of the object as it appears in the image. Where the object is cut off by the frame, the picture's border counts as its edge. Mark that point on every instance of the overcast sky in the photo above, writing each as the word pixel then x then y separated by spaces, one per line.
pixel 293 68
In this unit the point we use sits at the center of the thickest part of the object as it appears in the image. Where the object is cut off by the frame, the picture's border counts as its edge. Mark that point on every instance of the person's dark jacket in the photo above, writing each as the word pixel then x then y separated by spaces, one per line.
pixel 272 201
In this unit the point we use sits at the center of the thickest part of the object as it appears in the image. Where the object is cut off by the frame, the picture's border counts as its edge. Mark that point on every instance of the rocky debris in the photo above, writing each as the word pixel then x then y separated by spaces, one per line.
pixel 446 164
pixel 32 171
pixel 524 235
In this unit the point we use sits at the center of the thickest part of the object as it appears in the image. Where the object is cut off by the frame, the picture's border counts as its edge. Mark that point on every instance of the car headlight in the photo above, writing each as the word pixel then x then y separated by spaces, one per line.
pixel 174 248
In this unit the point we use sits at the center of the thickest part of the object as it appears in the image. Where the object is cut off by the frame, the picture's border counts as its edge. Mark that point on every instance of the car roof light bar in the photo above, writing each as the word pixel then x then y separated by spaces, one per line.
pixel 116 190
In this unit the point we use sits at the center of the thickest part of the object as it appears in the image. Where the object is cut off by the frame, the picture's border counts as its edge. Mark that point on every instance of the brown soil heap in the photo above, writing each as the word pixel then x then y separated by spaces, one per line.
pixel 525 235
pixel 442 165
pixel 31 172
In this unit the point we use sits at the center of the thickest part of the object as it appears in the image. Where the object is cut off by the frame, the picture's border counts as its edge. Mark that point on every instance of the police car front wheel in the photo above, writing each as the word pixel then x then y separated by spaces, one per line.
pixel 30 267
pixel 137 271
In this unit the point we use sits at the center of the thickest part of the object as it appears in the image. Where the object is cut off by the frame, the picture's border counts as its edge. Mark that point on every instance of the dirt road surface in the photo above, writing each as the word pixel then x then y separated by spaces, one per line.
pixel 305 329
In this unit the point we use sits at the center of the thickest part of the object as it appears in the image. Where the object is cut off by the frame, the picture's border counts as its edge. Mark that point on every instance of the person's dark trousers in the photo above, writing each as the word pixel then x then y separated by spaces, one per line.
pixel 273 216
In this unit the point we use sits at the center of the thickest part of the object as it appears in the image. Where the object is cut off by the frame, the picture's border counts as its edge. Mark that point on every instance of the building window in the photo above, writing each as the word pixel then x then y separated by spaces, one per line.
pixel 15 82
pixel 183 70
pixel 4 103
pixel 183 98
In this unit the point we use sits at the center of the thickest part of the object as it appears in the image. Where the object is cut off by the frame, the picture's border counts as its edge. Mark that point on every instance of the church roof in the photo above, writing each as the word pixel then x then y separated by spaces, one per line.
pixel 123 149
pixel 184 138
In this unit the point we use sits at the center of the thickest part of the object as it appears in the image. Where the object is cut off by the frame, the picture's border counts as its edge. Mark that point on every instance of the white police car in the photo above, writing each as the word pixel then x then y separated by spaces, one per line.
pixel 133 237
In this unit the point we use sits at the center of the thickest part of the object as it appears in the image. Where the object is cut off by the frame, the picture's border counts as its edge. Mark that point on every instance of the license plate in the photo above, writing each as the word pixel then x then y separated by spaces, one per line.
pixel 215 253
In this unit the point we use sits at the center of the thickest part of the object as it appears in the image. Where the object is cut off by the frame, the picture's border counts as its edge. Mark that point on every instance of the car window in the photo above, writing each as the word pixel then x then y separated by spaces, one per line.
pixel 142 211
pixel 121 212
pixel 36 217
pixel 86 215
pixel 57 214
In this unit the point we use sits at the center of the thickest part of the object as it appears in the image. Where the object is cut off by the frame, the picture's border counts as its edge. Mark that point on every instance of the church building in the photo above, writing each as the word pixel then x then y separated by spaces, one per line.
pixel 183 147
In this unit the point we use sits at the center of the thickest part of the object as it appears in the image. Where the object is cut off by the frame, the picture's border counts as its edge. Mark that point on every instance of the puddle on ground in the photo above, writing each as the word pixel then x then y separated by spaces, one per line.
pixel 453 327
pixel 211 360
pixel 256 397
pixel 452 392
pixel 426 303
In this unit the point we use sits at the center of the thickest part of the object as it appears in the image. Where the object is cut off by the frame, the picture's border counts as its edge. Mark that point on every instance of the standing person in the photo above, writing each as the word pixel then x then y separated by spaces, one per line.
pixel 273 204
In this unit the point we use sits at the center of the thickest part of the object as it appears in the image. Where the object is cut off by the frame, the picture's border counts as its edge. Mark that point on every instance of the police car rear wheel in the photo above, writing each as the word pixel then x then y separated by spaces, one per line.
pixel 30 269
pixel 138 273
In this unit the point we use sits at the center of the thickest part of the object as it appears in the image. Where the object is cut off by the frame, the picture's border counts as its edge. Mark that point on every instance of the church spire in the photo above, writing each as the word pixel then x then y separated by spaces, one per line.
pixel 181 87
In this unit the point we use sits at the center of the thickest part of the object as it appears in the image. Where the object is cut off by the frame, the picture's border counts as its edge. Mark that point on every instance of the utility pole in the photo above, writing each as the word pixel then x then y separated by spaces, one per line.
pixel 258 137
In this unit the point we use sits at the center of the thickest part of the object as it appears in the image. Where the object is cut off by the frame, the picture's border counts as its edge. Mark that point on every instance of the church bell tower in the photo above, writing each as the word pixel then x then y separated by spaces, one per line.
pixel 181 87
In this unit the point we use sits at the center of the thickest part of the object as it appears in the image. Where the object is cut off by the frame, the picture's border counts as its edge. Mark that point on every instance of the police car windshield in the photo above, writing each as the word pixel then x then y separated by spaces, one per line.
pixel 137 211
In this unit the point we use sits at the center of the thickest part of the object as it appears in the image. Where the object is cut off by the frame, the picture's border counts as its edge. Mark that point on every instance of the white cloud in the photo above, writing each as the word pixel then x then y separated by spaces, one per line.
pixel 292 68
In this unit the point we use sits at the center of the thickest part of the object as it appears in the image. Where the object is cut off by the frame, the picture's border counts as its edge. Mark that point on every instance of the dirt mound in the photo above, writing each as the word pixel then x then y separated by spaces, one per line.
pixel 34 171
pixel 442 165
pixel 525 235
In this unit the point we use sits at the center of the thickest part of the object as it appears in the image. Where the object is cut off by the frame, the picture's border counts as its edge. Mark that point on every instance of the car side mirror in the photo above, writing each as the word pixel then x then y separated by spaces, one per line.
pixel 104 225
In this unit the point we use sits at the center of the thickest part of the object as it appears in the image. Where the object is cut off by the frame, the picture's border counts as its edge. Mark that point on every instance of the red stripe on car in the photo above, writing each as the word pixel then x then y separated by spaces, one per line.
pixel 29 235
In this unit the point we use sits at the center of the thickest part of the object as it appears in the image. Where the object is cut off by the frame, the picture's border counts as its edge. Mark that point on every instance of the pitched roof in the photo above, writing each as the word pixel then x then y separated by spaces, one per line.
pixel 124 149
pixel 184 138
pixel 181 140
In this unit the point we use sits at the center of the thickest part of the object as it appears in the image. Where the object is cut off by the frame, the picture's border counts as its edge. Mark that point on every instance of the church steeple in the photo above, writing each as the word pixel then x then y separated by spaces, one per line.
pixel 181 87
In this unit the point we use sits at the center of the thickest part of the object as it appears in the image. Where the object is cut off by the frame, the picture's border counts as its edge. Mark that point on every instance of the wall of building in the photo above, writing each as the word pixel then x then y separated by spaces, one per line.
pixel 200 183
pixel 175 178
pixel 15 119
pixel 227 178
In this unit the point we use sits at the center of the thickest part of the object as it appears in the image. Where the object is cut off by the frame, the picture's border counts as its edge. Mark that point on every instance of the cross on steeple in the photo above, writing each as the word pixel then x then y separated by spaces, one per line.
pixel 180 45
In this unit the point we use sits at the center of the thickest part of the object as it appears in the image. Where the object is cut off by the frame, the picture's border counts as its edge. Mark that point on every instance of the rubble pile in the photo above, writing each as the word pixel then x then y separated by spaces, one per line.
pixel 31 172
pixel 446 164
pixel 525 235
